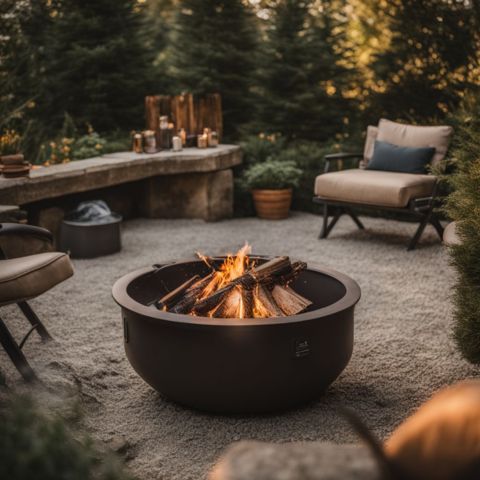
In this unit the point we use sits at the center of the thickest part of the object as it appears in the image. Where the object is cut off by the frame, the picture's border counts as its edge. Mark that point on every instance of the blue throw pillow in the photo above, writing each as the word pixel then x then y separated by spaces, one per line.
pixel 393 158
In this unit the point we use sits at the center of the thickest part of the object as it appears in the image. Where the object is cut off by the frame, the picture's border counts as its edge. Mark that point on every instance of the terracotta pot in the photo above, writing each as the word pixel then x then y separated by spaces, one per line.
pixel 272 204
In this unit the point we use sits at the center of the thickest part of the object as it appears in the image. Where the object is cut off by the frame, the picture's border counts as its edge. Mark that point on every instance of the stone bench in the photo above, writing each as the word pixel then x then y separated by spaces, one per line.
pixel 193 183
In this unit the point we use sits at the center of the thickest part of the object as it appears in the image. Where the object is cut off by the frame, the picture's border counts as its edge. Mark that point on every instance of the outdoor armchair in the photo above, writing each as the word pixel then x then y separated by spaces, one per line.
pixel 28 268
pixel 343 191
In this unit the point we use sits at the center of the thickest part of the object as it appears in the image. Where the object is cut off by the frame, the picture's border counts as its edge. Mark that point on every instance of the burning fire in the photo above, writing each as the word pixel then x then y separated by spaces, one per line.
pixel 239 302
pixel 234 266
pixel 239 288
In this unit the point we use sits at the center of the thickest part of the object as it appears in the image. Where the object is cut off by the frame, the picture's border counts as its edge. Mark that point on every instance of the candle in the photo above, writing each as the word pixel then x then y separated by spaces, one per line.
pixel 176 144
pixel 202 141
pixel 183 135
pixel 149 142
pixel 213 139
pixel 137 143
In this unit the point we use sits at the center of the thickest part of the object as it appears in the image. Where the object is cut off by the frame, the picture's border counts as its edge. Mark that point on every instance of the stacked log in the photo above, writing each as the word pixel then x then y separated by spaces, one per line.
pixel 262 291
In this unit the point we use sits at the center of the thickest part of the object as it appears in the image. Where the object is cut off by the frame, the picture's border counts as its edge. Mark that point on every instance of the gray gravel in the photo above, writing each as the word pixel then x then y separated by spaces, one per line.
pixel 403 347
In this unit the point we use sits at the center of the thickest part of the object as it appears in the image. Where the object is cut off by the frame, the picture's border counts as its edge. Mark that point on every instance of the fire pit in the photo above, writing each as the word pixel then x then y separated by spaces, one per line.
pixel 237 365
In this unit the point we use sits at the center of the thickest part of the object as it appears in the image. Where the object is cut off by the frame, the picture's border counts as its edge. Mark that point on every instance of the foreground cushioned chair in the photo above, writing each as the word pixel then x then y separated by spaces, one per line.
pixel 341 191
pixel 26 271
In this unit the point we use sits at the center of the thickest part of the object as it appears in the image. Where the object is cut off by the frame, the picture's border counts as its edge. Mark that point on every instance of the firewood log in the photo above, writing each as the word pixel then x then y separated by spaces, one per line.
pixel 175 295
pixel 268 302
pixel 290 302
pixel 186 303
pixel 262 273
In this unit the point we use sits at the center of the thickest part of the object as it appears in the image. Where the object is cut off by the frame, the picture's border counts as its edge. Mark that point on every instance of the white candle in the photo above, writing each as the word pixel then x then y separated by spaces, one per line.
pixel 176 144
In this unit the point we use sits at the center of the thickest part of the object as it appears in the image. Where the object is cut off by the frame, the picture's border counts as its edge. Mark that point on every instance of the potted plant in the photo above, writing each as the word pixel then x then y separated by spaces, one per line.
pixel 271 183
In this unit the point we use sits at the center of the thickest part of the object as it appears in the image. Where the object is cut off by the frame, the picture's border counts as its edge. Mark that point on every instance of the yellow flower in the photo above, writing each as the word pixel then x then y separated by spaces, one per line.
pixel 98 146
pixel 53 144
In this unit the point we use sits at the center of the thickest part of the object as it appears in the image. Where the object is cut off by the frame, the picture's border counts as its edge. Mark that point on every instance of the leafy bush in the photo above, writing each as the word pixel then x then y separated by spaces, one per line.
pixel 88 146
pixel 260 148
pixel 9 142
pixel 272 174
pixel 35 446
pixel 463 206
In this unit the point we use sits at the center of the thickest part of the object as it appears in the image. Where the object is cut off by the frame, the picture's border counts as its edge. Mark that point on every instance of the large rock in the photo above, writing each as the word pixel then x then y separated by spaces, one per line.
pixel 296 461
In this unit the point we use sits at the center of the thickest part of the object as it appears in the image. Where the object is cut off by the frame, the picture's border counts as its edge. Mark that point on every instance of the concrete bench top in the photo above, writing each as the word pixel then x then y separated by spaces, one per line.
pixel 113 169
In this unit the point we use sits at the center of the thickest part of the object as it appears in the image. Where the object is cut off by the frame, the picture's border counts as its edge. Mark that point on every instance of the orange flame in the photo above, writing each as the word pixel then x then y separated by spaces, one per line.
pixel 234 266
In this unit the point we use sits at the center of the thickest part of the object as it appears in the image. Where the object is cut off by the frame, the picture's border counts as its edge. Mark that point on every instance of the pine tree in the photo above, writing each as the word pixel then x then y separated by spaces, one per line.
pixel 213 51
pixel 23 25
pixel 430 60
pixel 463 206
pixel 95 67
pixel 302 81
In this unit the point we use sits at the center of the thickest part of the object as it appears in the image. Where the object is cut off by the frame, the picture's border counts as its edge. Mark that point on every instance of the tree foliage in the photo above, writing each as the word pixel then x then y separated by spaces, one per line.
pixel 213 51
pixel 464 207
pixel 429 58
pixel 301 77
pixel 34 445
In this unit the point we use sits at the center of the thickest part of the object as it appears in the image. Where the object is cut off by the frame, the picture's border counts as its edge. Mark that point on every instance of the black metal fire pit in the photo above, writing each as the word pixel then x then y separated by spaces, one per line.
pixel 237 365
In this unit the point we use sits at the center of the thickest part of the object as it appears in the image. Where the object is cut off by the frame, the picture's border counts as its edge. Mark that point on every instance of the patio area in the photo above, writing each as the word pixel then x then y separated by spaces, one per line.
pixel 403 347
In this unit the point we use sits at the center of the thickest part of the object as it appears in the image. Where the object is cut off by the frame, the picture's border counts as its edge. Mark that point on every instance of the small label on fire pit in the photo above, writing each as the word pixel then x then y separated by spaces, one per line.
pixel 302 348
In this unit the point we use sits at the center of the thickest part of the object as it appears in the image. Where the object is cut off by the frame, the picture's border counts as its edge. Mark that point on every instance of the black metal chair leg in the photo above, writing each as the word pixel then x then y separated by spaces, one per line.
pixel 354 217
pixel 324 230
pixel 15 354
pixel 34 320
pixel 333 222
pixel 437 225
pixel 423 223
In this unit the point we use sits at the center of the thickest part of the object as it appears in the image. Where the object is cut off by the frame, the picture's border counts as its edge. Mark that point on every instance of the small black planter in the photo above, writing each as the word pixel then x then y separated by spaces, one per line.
pixel 238 365
pixel 91 239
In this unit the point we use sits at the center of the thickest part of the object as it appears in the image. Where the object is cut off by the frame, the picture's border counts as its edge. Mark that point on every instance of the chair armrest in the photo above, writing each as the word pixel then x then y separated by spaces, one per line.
pixel 21 229
pixel 339 157
pixel 18 240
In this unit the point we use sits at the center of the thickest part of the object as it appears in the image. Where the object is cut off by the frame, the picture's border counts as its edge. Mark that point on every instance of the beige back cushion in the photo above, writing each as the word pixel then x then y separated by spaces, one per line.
pixel 372 133
pixel 415 136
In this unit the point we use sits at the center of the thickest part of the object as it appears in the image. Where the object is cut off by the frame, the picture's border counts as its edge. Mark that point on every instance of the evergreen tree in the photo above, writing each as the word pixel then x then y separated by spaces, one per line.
pixel 23 24
pixel 463 206
pixel 302 80
pixel 430 60
pixel 213 51
pixel 96 68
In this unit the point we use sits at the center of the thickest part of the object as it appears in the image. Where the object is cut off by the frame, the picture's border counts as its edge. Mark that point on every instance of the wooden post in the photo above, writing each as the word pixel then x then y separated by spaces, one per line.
pixel 188 111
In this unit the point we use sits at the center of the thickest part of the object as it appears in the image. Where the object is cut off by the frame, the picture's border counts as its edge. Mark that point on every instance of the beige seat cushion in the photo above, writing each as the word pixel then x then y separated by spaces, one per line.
pixel 373 187
pixel 450 235
pixel 416 136
pixel 26 277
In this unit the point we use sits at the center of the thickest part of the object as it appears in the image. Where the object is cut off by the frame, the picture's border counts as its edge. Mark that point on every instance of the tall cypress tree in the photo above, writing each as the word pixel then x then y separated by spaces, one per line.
pixel 301 78
pixel 213 51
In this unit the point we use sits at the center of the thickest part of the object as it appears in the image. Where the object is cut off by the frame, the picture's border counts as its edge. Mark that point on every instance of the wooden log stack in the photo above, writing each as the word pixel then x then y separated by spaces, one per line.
pixel 262 291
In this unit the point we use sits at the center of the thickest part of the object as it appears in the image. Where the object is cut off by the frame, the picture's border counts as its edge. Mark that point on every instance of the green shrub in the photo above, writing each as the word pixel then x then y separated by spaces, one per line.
pixel 272 174
pixel 260 148
pixel 10 142
pixel 463 206
pixel 36 446
pixel 88 146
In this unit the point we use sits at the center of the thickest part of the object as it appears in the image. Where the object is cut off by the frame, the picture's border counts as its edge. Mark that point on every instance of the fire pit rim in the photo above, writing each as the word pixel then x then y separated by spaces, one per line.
pixel 124 300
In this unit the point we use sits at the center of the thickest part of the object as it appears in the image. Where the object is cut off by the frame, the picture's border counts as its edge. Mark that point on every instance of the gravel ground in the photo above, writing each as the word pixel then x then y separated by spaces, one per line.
pixel 403 347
